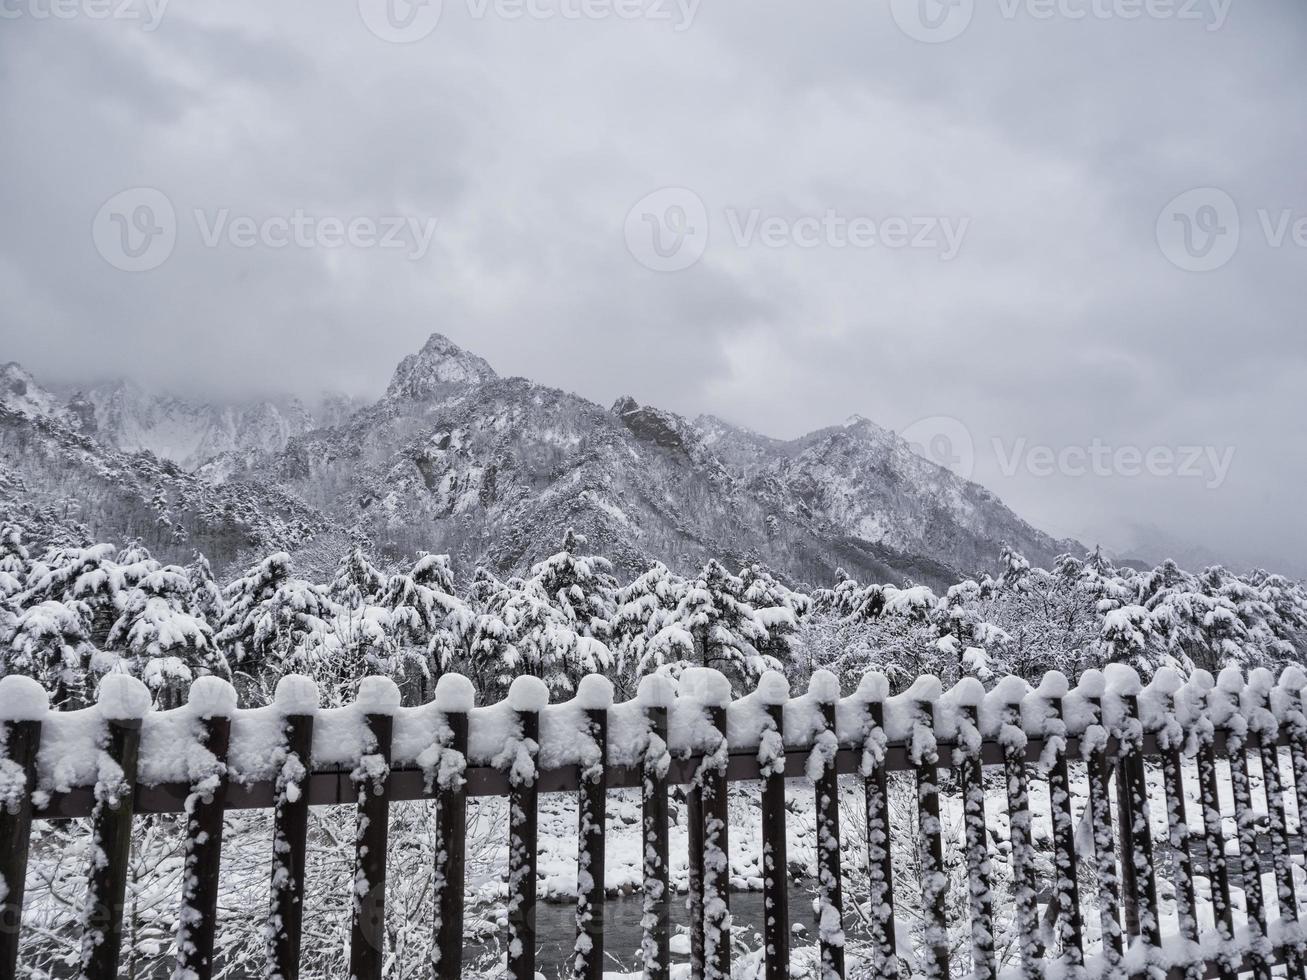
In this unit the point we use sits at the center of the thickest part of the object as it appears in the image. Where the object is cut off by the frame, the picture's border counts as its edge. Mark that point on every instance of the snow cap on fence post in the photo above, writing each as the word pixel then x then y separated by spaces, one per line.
pixel 1292 679
pixel 594 692
pixel 1261 680
pixel 925 688
pixel 656 691
pixel 1230 680
pixel 455 694
pixel 212 697
pixel 873 688
pixel 707 686
pixel 1053 685
pixel 22 699
pixel 773 688
pixel 1092 684
pixel 1011 690
pixel 967 692
pixel 1122 680
pixel 296 695
pixel 824 687
pixel 1165 682
pixel 122 697
pixel 528 693
pixel 378 695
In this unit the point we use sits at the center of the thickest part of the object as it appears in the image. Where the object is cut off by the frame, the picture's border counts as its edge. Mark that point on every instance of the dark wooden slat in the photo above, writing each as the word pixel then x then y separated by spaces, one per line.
pixel 830 893
pixel 775 860
pixel 367 940
pixel 290 825
pixel 197 924
pixel 1177 821
pixel 934 876
pixel 1272 783
pixel 1250 862
pixel 694 898
pixel 522 858
pixel 656 902
pixel 1109 889
pixel 592 814
pixel 451 828
pixel 1218 874
pixel 1024 885
pixel 1142 863
pixel 111 845
pixel 716 858
pixel 22 740
pixel 880 864
pixel 984 965
pixel 1066 885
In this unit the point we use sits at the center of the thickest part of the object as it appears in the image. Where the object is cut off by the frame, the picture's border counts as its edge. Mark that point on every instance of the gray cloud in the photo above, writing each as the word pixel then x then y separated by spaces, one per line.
pixel 1059 322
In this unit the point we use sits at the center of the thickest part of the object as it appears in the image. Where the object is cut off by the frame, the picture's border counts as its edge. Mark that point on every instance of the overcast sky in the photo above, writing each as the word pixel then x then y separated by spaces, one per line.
pixel 903 208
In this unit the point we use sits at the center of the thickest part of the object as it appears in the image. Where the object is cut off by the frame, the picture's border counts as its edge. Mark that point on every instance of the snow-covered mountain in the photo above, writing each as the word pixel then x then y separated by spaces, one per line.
pixel 453 458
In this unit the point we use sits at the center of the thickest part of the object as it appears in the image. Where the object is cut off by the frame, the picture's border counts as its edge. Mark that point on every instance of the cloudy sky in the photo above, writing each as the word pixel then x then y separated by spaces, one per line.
pixel 1060 242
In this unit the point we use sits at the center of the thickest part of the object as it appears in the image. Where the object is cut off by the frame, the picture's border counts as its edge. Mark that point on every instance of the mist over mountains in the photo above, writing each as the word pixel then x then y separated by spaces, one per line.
pixel 455 459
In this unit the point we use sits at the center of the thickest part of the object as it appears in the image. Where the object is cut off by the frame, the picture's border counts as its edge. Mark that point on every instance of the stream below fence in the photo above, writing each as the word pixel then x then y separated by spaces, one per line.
pixel 556 927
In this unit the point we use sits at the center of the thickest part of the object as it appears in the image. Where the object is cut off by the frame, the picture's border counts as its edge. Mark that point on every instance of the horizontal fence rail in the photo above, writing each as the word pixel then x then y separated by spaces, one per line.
pixel 118 761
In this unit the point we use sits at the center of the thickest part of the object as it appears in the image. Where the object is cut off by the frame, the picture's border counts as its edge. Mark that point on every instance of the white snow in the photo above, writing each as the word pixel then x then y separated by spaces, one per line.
pixel 212 697
pixel 378 696
pixel 122 698
pixel 455 693
pixel 528 694
pixel 22 699
pixel 296 695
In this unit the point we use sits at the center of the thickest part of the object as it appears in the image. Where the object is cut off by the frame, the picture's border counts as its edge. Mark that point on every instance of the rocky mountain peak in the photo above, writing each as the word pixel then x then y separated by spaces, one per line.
pixel 651 424
pixel 439 364
pixel 20 392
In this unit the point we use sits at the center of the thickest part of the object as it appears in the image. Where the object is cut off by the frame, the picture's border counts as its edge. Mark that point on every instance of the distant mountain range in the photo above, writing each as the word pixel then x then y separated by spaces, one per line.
pixel 453 458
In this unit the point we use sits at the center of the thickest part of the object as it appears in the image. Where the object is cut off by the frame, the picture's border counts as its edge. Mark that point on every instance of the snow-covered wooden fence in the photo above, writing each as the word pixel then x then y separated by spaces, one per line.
pixel 118 759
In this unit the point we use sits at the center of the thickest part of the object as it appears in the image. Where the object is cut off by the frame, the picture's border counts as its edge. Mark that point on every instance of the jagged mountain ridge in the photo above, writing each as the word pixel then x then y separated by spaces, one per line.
pixel 453 458
pixel 126 417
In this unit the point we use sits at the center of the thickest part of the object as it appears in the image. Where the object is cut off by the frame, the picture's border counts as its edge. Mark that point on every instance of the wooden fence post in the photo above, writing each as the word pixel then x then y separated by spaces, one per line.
pixel 378 699
pixel 716 836
pixel 873 690
pixel 296 698
pixel 1228 714
pixel 595 695
pixel 967 695
pixel 1094 746
pixel 924 754
pixel 23 705
pixel 123 703
pixel 1012 739
pixel 1266 731
pixel 1136 788
pixel 1170 741
pixel 527 696
pixel 213 701
pixel 774 692
pixel 455 697
pixel 1066 875
pixel 656 697
pixel 824 688
pixel 694 884
pixel 1214 835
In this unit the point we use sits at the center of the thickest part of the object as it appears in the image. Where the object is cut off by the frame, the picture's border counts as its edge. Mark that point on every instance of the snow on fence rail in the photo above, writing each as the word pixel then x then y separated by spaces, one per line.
pixel 119 759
